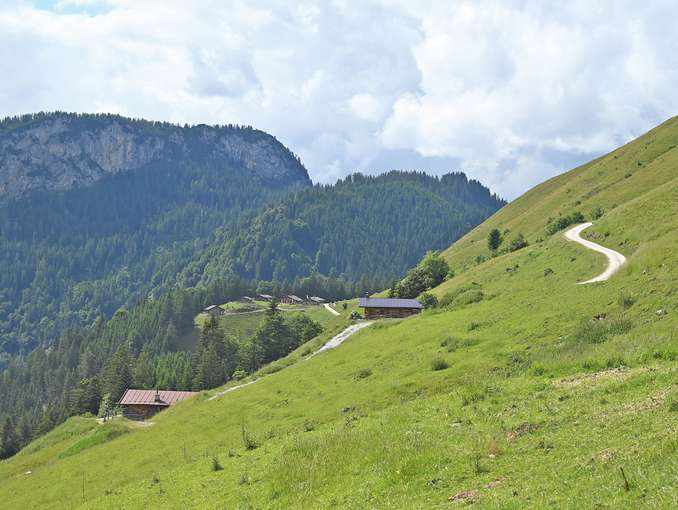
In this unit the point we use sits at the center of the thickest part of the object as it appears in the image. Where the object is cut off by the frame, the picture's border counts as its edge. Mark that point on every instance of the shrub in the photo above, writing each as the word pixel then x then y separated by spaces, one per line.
pixel 625 300
pixel 548 271
pixel 247 441
pixel 472 296
pixel 451 344
pixel 439 363
pixel 615 362
pixel 556 224
pixel 597 213
pixel 598 331
pixel 428 300
pixel 518 243
pixel 308 426
pixel 462 296
pixel 518 362
pixel 216 465
pixel 673 406
pixel 363 373
pixel 239 374
pixel 473 326
pixel 429 273
pixel 471 395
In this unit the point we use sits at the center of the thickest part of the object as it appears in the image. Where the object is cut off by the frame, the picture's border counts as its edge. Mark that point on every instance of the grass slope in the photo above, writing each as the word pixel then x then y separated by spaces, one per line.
pixel 242 319
pixel 540 407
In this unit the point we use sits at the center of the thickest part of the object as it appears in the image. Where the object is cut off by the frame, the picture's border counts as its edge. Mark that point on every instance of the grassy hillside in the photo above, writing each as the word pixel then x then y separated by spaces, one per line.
pixel 539 406
pixel 242 318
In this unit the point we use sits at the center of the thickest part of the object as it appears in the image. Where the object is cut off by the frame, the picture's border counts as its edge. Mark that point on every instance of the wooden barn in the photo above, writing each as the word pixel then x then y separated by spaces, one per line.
pixel 377 308
pixel 142 404
pixel 214 310
pixel 315 300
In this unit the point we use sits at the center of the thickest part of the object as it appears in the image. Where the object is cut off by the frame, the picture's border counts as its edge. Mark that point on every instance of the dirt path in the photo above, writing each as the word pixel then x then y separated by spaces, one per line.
pixel 335 341
pixel 330 309
pixel 614 258
pixel 233 388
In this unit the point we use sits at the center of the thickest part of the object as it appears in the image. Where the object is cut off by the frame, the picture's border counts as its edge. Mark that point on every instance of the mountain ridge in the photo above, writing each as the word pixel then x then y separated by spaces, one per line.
pixel 61 151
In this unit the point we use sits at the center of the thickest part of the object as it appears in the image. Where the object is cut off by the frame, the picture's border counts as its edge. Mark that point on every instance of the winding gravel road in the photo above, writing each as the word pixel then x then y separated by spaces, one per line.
pixel 614 258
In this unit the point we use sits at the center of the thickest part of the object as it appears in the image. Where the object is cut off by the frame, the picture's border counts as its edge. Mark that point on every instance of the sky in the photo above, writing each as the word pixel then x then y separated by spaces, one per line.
pixel 509 92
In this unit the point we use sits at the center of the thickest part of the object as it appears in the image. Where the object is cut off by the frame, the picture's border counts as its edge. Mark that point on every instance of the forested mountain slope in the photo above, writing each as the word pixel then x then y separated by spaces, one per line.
pixel 98 210
pixel 521 390
pixel 361 227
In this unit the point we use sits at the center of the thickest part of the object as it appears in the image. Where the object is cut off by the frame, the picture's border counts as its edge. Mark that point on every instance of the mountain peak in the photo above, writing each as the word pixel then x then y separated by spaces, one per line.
pixel 61 151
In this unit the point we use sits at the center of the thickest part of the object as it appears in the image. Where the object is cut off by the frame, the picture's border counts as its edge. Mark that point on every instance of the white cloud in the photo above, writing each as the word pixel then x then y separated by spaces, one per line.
pixel 509 91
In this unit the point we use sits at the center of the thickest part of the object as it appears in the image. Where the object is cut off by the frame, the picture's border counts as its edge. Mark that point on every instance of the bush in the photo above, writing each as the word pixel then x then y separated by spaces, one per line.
pixel 429 273
pixel 363 373
pixel 451 343
pixel 518 362
pixel 598 331
pixel 216 465
pixel 453 297
pixel 548 271
pixel 439 363
pixel 472 296
pixel 625 300
pixel 518 243
pixel 428 300
pixel 556 224
pixel 239 374
pixel 597 213
pixel 247 441
pixel 473 326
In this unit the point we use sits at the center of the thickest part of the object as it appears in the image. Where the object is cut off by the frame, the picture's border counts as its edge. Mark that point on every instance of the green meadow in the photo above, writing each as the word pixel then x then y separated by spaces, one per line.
pixel 525 391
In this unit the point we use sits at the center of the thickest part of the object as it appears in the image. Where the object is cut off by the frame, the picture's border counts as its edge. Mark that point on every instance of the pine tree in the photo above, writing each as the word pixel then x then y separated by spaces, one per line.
pixel 144 376
pixel 118 374
pixel 9 441
pixel 25 430
pixel 273 335
pixel 494 239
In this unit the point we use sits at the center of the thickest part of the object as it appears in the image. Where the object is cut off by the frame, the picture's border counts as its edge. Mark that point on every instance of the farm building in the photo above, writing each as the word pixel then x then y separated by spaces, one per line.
pixel 214 310
pixel 266 297
pixel 142 404
pixel 315 300
pixel 376 308
pixel 291 299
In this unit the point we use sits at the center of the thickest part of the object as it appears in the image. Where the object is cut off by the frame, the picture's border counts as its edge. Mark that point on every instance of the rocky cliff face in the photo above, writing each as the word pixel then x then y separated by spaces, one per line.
pixel 64 151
